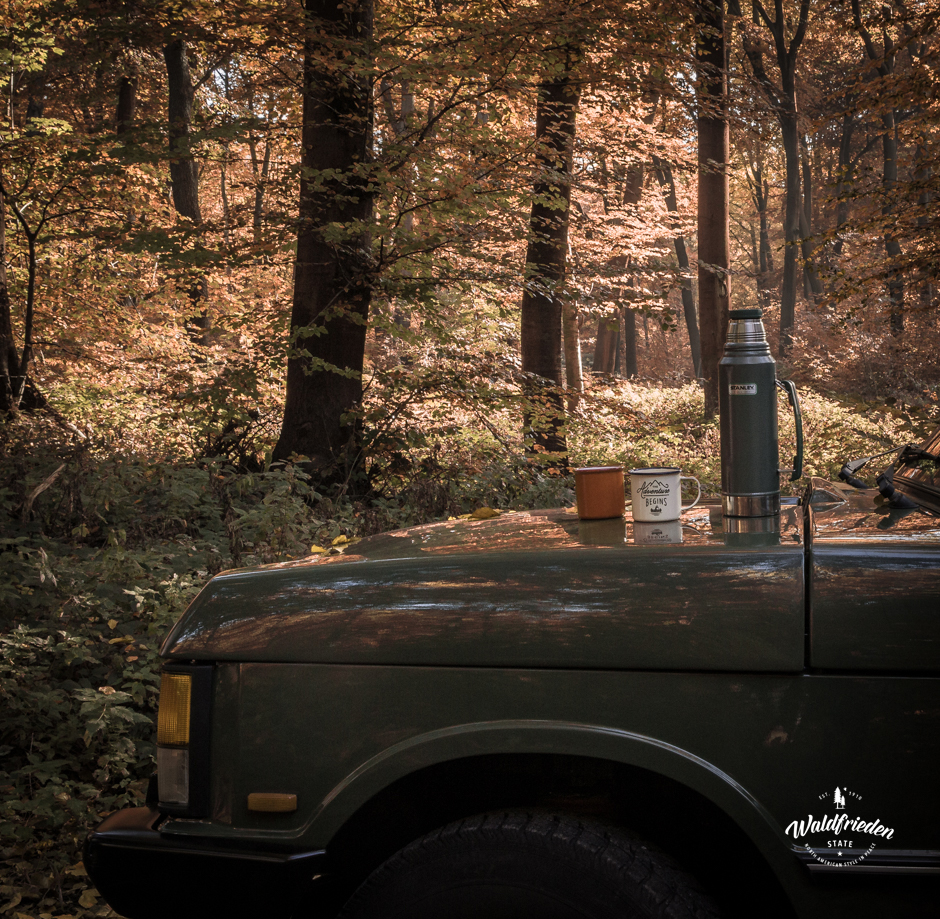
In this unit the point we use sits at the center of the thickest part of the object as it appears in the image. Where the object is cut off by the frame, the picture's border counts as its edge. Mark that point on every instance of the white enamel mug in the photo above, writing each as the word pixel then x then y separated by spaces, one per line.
pixel 656 494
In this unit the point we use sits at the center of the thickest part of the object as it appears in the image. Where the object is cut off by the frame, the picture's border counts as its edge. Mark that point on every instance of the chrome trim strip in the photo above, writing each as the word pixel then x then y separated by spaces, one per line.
pixel 751 505
pixel 888 861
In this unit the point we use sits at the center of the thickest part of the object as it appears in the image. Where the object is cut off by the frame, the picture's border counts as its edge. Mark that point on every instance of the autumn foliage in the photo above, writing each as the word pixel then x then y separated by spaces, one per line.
pixel 277 276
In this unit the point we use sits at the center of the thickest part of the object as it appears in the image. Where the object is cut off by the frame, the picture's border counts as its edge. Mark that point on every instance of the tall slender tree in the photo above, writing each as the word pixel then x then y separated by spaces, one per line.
pixel 714 244
pixel 883 61
pixel 10 373
pixel 782 99
pixel 333 268
pixel 546 258
pixel 666 179
pixel 184 169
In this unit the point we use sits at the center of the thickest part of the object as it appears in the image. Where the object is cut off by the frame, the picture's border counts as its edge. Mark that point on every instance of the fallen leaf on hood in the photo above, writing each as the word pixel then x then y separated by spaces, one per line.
pixel 481 513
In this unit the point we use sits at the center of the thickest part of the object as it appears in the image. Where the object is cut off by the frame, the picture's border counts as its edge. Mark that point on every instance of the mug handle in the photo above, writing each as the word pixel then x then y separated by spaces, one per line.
pixel 691 478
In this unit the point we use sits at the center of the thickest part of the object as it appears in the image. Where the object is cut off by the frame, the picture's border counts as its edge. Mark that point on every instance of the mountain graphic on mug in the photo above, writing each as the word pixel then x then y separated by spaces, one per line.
pixel 653 489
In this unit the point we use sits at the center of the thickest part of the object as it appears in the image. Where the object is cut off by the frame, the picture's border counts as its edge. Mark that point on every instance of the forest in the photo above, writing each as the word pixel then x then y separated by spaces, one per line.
pixel 278 276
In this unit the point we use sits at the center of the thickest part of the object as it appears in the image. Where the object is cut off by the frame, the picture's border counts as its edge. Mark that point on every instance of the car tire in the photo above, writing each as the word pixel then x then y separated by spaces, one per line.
pixel 528 866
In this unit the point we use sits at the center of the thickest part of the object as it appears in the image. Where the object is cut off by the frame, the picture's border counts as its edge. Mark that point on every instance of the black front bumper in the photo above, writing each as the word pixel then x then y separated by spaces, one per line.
pixel 146 874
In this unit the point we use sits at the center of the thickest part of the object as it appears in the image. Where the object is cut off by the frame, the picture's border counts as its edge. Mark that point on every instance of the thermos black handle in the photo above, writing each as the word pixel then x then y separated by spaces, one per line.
pixel 789 387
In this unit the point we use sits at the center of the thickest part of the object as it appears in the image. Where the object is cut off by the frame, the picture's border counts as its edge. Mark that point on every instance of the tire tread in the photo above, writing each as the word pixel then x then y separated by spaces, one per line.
pixel 659 888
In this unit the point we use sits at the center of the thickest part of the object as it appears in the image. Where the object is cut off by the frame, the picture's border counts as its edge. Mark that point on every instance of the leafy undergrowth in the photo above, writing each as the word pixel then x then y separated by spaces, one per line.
pixel 100 553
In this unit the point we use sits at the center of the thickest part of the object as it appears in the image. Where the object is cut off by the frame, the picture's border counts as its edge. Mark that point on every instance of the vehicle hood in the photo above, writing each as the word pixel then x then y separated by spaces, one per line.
pixel 525 589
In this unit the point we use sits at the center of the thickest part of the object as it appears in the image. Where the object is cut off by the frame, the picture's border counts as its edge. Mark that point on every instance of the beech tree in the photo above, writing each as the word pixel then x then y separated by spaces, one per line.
pixel 782 99
pixel 333 268
pixel 883 60
pixel 667 182
pixel 714 247
pixel 546 256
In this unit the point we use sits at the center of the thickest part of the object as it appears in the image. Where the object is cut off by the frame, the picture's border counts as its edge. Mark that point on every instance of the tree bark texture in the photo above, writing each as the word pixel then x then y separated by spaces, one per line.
pixel 760 195
pixel 127 100
pixel 806 227
pixel 922 177
pixel 545 267
pixel 333 270
pixel 607 350
pixel 10 373
pixel 892 246
pixel 574 374
pixel 783 101
pixel 714 243
pixel 668 184
pixel 844 178
pixel 184 170
pixel 884 60
pixel 605 346
pixel 261 177
pixel 631 365
pixel 791 230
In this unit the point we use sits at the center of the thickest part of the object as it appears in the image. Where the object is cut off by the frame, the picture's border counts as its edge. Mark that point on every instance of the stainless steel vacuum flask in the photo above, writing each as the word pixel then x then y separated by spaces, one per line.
pixel 747 402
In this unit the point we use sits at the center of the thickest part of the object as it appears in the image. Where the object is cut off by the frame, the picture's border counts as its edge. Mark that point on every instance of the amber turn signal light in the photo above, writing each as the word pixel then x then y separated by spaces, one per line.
pixel 173 713
pixel 272 803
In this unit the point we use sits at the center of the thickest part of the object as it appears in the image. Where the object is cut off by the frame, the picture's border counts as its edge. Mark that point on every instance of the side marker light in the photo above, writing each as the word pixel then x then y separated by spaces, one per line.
pixel 272 803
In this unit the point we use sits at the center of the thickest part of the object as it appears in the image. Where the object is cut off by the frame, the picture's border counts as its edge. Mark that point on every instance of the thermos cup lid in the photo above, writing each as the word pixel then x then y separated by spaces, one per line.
pixel 746 314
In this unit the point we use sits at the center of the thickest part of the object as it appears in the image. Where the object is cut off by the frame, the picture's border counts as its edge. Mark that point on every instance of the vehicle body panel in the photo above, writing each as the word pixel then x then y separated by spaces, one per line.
pixel 336 734
pixel 875 588
pixel 717 660
pixel 529 589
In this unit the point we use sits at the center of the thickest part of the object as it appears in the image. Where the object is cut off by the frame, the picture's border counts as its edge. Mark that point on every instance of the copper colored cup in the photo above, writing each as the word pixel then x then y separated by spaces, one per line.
pixel 600 492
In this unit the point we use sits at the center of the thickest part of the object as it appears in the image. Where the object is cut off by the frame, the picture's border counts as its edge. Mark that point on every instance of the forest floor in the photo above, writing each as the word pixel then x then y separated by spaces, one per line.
pixel 101 551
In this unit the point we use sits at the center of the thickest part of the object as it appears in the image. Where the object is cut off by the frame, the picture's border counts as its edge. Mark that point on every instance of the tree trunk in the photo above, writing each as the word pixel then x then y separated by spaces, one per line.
pixel 843 183
pixel 806 227
pixel 714 244
pixel 668 183
pixel 791 228
pixel 607 326
pixel 333 271
pixel 10 375
pixel 574 375
pixel 16 389
pixel 764 264
pixel 755 256
pixel 184 170
pixel 783 101
pixel 546 253
pixel 261 178
pixel 766 253
pixel 605 346
pixel 631 366
pixel 884 61
pixel 922 175
pixel 127 99
pixel 892 246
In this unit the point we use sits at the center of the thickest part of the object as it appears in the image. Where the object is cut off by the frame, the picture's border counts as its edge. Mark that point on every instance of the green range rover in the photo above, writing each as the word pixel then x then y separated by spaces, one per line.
pixel 537 716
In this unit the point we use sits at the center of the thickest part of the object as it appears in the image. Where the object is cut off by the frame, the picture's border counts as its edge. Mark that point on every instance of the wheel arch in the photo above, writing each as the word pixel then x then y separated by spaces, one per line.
pixel 677 800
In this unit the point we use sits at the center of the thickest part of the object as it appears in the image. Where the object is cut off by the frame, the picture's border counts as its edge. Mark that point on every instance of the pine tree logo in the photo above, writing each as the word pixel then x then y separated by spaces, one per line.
pixel 839 800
